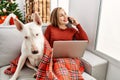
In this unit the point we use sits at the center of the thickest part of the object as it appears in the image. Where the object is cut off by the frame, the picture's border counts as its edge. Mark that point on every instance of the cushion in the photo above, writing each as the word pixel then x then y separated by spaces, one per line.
pixel 10 44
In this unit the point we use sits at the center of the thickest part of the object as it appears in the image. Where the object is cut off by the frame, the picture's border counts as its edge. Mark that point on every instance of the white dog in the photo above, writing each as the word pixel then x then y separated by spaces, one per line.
pixel 32 46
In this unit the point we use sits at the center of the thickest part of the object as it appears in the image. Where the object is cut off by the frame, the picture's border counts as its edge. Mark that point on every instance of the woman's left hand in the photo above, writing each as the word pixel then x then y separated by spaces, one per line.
pixel 74 22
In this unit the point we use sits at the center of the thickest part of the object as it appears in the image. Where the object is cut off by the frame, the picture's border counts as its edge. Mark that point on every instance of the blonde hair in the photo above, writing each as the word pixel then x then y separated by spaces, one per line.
pixel 54 16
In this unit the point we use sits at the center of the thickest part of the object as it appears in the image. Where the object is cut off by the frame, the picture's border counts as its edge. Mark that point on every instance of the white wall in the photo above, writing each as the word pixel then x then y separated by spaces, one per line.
pixel 86 12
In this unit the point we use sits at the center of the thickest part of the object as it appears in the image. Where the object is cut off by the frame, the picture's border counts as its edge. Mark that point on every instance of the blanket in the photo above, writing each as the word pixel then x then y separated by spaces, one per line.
pixel 54 68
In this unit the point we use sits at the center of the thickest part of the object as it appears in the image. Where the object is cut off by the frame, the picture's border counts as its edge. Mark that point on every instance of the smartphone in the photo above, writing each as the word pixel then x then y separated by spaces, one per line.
pixel 70 21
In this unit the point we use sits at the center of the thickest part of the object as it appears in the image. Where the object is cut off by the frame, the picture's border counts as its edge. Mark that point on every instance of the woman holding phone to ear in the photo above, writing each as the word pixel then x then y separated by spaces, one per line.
pixel 65 68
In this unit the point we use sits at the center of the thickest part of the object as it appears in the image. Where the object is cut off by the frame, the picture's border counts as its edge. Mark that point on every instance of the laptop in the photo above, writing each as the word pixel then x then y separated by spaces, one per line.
pixel 72 49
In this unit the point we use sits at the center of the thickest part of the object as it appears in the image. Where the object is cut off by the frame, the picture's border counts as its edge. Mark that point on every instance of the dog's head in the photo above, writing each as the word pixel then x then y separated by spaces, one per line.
pixel 32 33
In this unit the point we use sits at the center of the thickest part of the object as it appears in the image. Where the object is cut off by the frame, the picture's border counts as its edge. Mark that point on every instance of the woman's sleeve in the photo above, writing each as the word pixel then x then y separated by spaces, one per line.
pixel 47 33
pixel 80 34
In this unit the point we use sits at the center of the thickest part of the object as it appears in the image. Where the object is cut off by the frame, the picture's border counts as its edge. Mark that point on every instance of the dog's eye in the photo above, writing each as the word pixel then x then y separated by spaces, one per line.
pixel 26 37
pixel 36 34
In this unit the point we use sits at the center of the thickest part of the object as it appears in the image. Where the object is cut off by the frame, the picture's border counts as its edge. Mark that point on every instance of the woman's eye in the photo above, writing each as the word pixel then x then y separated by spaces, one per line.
pixel 26 37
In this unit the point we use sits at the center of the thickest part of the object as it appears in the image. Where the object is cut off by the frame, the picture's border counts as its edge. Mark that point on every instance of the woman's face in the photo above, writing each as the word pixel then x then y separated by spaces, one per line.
pixel 62 17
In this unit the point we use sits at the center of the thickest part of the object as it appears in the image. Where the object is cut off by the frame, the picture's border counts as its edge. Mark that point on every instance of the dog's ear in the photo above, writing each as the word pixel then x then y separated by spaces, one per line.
pixel 37 18
pixel 18 24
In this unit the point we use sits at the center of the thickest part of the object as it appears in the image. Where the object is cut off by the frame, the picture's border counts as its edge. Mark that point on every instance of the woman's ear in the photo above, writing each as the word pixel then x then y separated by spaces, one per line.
pixel 37 18
pixel 18 24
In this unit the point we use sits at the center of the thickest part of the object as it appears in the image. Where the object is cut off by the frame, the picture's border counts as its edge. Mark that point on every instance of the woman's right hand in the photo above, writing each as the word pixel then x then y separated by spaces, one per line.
pixel 74 22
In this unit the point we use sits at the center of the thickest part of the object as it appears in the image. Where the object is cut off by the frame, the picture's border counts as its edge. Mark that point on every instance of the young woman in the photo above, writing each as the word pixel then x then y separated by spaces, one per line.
pixel 64 68
pixel 58 68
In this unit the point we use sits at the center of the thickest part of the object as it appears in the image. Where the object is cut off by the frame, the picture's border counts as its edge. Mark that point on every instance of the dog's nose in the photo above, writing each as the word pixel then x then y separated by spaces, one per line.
pixel 35 51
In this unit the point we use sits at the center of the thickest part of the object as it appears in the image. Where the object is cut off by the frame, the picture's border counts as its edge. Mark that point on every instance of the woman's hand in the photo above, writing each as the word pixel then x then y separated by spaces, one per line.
pixel 74 22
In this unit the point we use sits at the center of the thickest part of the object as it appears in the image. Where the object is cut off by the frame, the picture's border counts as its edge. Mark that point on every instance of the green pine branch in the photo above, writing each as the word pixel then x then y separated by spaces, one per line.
pixel 7 7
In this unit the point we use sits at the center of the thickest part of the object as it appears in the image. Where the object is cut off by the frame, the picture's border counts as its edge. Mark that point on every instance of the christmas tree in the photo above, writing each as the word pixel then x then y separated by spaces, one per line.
pixel 9 6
